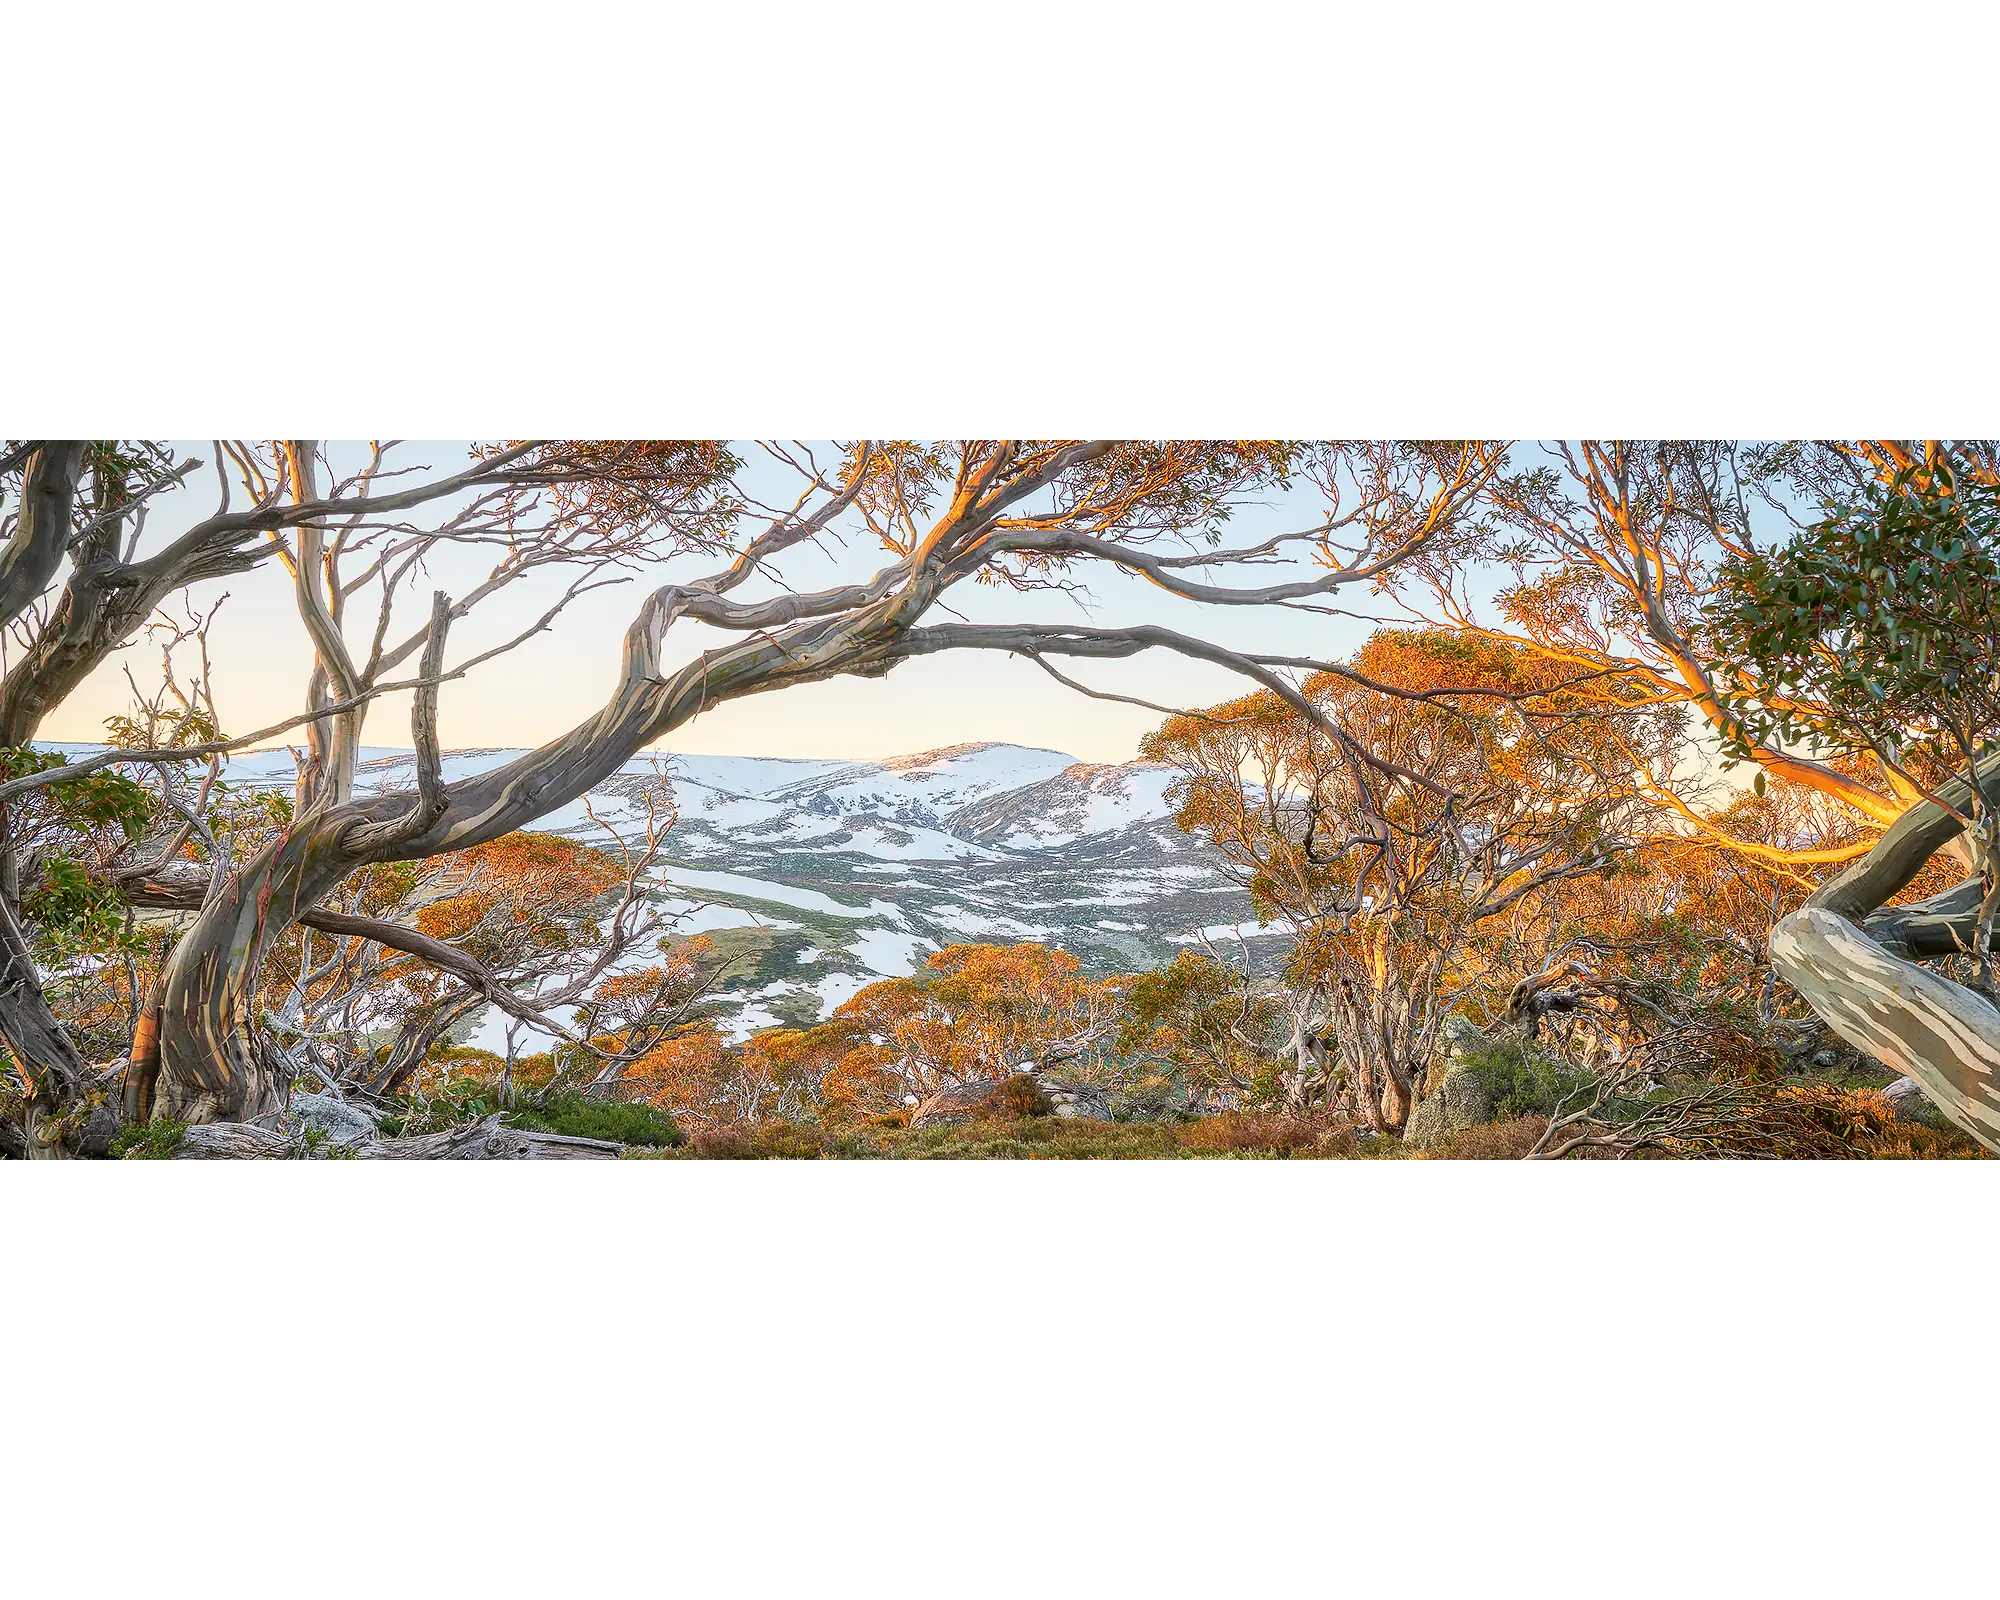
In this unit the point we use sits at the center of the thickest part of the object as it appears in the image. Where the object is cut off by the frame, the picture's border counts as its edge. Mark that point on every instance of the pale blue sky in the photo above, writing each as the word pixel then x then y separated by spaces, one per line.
pixel 262 659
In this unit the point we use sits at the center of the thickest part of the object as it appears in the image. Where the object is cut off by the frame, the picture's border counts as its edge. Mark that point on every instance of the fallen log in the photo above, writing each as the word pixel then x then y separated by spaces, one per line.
pixel 488 1139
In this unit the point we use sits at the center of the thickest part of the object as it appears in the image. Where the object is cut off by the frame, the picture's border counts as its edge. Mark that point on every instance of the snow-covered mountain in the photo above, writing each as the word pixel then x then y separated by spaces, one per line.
pixel 819 877
pixel 829 875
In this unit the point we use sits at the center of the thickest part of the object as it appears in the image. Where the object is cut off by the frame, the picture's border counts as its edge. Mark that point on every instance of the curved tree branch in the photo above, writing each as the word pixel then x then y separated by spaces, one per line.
pixel 48 499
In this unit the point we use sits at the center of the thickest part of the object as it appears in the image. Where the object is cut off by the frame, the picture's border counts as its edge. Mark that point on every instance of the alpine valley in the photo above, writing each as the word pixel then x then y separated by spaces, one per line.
pixel 817 878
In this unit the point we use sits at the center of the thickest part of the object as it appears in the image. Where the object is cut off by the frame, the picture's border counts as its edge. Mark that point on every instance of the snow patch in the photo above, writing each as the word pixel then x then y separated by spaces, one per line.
pixel 892 955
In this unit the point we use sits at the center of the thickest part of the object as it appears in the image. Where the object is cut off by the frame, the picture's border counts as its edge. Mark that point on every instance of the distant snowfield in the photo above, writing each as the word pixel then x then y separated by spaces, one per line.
pixel 843 873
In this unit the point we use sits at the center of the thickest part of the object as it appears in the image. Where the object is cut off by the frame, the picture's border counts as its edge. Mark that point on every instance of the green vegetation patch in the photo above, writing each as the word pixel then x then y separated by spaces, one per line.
pixel 158 1140
pixel 620 1121
pixel 1522 1082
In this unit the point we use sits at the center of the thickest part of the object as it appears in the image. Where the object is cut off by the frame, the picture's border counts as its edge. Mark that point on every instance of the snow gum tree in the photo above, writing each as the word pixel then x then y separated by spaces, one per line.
pixel 1442 781
pixel 1876 631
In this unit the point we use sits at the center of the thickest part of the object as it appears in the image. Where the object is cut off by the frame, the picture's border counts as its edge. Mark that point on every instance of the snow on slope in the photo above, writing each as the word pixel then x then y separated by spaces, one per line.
pixel 1080 800
pixel 925 789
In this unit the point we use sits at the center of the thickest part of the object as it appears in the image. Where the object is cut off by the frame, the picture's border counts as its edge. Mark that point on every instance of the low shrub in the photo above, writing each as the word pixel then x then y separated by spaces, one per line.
pixel 1915 1141
pixel 470 1058
pixel 1799 1123
pixel 1150 1099
pixel 1019 1096
pixel 1827 1123
pixel 1231 1136
pixel 448 1107
pixel 1521 1081
pixel 1268 1133
pixel 1037 1139
pixel 620 1121
pixel 158 1140
pixel 762 1141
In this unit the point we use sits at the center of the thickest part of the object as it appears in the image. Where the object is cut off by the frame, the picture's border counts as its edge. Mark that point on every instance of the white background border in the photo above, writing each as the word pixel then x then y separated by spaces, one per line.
pixel 1211 1379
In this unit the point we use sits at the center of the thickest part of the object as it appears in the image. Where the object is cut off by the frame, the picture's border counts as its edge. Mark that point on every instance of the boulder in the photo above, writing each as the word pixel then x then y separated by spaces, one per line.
pixel 1462 1035
pixel 341 1121
pixel 1461 1102
pixel 1073 1099
pixel 1907 1099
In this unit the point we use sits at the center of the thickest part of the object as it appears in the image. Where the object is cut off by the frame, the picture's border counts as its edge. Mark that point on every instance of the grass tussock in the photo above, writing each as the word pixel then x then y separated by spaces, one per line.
pixel 1495 1141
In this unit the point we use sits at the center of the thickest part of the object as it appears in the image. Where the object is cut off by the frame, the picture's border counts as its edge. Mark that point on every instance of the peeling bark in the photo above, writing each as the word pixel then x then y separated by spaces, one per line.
pixel 1899 855
pixel 1942 1034
pixel 1841 952
pixel 1383 1051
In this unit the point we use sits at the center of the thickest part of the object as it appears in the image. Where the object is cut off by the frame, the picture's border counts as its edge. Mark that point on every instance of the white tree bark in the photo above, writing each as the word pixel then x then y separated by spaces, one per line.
pixel 1940 1033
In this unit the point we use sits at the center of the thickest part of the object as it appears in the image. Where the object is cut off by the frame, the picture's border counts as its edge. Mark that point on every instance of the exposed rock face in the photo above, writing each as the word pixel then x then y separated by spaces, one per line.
pixel 1022 1094
pixel 1461 1102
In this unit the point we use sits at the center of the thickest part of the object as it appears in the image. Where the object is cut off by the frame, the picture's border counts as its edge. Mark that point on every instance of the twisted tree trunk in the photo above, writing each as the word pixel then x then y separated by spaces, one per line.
pixel 1851 960
pixel 1381 1053
pixel 41 534
pixel 210 1066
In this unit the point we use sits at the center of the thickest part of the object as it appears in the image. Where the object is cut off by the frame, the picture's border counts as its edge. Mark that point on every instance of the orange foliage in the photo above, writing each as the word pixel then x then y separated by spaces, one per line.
pixel 686 1077
pixel 974 1011
pixel 523 893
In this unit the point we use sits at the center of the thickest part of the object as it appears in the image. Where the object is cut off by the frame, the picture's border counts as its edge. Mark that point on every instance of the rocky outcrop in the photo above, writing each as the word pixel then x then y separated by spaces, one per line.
pixel 1071 1099
pixel 1461 1102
